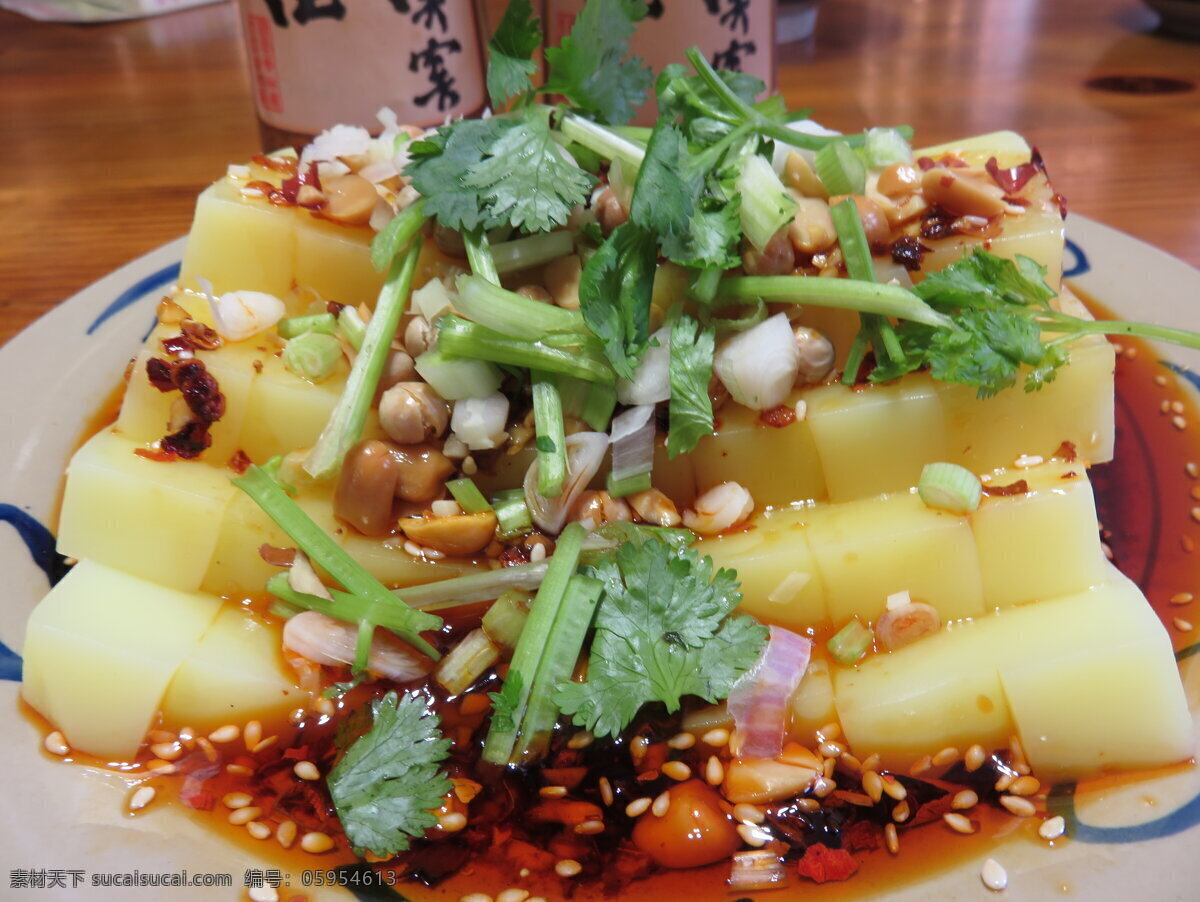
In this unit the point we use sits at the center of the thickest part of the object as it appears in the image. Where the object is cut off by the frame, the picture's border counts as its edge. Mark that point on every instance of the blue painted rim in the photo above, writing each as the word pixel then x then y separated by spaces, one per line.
pixel 135 292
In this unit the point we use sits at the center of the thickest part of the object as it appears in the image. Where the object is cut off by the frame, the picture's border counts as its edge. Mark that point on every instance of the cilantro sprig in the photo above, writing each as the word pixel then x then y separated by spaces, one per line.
pixel 664 630
pixel 388 783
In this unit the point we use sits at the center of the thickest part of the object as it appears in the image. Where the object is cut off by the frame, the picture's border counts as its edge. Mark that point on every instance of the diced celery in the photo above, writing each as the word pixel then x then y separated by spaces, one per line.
pixel 851 642
pixel 512 513
pixel 470 659
pixel 468 496
pixel 505 619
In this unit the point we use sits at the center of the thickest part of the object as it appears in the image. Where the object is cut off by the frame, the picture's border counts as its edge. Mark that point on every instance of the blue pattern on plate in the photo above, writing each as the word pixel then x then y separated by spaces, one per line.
pixel 1079 265
pixel 39 541
pixel 135 292
pixel 1190 375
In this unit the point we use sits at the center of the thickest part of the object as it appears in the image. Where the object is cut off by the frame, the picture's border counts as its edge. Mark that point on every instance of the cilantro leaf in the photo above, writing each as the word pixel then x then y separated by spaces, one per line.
pixel 590 67
pixel 690 407
pixel 507 702
pixel 663 631
pixel 509 53
pixel 526 181
pixel 484 173
pixel 614 295
pixel 385 786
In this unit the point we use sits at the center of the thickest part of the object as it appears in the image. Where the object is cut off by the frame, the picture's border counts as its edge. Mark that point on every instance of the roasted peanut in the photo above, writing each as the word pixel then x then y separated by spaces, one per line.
pixel 778 258
pixel 349 199
pixel 412 412
pixel 811 230
pixel 562 280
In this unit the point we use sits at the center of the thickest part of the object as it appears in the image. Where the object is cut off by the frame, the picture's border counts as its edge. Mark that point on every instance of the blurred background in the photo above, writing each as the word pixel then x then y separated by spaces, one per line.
pixel 111 127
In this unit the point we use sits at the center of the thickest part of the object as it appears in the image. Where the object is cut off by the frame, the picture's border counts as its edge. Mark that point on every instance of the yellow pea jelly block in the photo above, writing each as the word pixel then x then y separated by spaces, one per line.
pixel 877 439
pixel 100 650
pixel 943 690
pixel 285 412
pixel 155 519
pixel 781 582
pixel 1008 147
pixel 1040 544
pixel 812 705
pixel 777 465
pixel 335 260
pixel 234 674
pixel 867 550
pixel 1076 407
pixel 237 570
pixel 240 243
pixel 1092 683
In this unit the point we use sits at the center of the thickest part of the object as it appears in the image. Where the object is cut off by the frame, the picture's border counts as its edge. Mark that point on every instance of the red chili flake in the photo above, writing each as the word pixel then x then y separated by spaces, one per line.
pixel 286 165
pixel 189 442
pixel 240 462
pixel 200 390
pixel 1020 487
pixel 195 797
pixel 200 335
pixel 290 189
pixel 158 371
pixel 778 417
pixel 936 223
pixel 909 252
pixel 155 454
pixel 178 345
pixel 333 307
pixel 1011 180
pixel 925 163
pixel 821 864
pixel 258 366
pixel 952 162
pixel 513 555
pixel 862 836
pixel 296 754
pixel 1066 451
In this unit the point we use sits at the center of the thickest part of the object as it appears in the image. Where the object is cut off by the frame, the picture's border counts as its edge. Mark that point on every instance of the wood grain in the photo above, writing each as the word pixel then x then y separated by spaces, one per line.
pixel 110 131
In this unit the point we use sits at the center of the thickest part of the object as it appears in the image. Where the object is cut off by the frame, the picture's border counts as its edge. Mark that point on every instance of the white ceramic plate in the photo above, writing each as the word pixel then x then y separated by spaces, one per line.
pixel 1137 840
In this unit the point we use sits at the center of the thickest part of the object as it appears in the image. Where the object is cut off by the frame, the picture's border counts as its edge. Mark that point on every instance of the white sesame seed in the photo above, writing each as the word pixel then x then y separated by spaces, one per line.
pixel 252 734
pixel 161 736
pixel 637 748
pixel 752 836
pixel 208 749
pixel 1182 598
pixel 714 771
pixel 682 741
pixel 901 812
pixel 1003 782
pixel 662 804
pixel 1184 626
pixel 445 508
pixel 637 807
pixel 243 816
pixel 1018 806
pixel 568 867
pixel 873 785
pixel 158 766
pixel 1025 461
pixel 1177 407
pixel 537 553
pixel 167 751
pixel 236 800
pixel 809 805
pixel 259 830
pixel 749 814
pixel 823 786
pixel 316 843
pixel 892 838
pixel 453 821
pixel 964 800
pixel 831 732
pixel 715 737
pixel 552 792
pixel 285 834
pixel 677 770
pixel 831 749
pixel 828 766
pixel 1052 828
pixel 240 770
pixel 56 744
pixel 959 823
pixel 589 828
pixel 187 736
pixel 580 740
pixel 606 791
pixel 895 789
pixel 512 894
pixel 475 897
pixel 920 767
pixel 306 770
pixel 142 796
pixel 946 757
pixel 1192 469
pixel 993 875
pixel 1025 786
pixel 801 409
pixel 1160 380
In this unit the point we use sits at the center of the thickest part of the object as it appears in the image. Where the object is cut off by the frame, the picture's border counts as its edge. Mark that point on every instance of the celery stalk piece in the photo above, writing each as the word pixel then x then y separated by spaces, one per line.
pixel 512 513
pixel 840 169
pixel 845 294
pixel 312 355
pixel 513 314
pixel 479 255
pixel 350 414
pixel 392 239
pixel 551 440
pixel 458 337
pixel 850 643
pixel 501 745
pixel 630 485
pixel 468 496
pixel 455 378
pixel 766 207
pixel 475 587
pixel 295 326
pixel 505 619
pixel 532 250
pixel 470 659
pixel 603 141
pixel 558 661
pixel 326 553
pixel 351 327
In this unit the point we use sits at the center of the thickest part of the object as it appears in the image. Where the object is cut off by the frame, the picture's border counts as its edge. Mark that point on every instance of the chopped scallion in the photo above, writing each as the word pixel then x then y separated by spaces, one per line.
pixel 312 355
pixel 294 326
pixel 512 513
pixel 394 236
pixel 468 496
pixel 840 169
pixel 512 314
pixel 850 643
pixel 551 440
pixel 765 206
pixel 885 146
pixel 949 487
pixel 506 617
pixel 351 327
pixel 470 659
pixel 630 485
pixel 461 338
pixel 479 255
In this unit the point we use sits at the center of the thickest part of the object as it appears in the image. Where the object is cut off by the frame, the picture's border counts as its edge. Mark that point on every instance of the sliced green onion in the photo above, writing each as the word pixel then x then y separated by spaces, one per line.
pixel 461 338
pixel 468 496
pixel 850 643
pixel 885 146
pixel 349 415
pixel 949 487
pixel 756 312
pixel 294 326
pixel 362 645
pixel 479 255
pixel 455 378
pixel 513 314
pixel 505 619
pixel 598 407
pixel 845 294
pixel 840 169
pixel 551 438
pixel 512 513
pixel 532 250
pixel 396 234
pixel 312 355
pixel 464 664
pixel 602 141
pixel 351 327
pixel 852 239
pixel 630 485
pixel 765 207
pixel 474 587
pixel 501 746
pixel 703 286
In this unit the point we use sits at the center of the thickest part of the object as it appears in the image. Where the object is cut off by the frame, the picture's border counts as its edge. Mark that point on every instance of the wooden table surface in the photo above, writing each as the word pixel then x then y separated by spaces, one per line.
pixel 109 131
